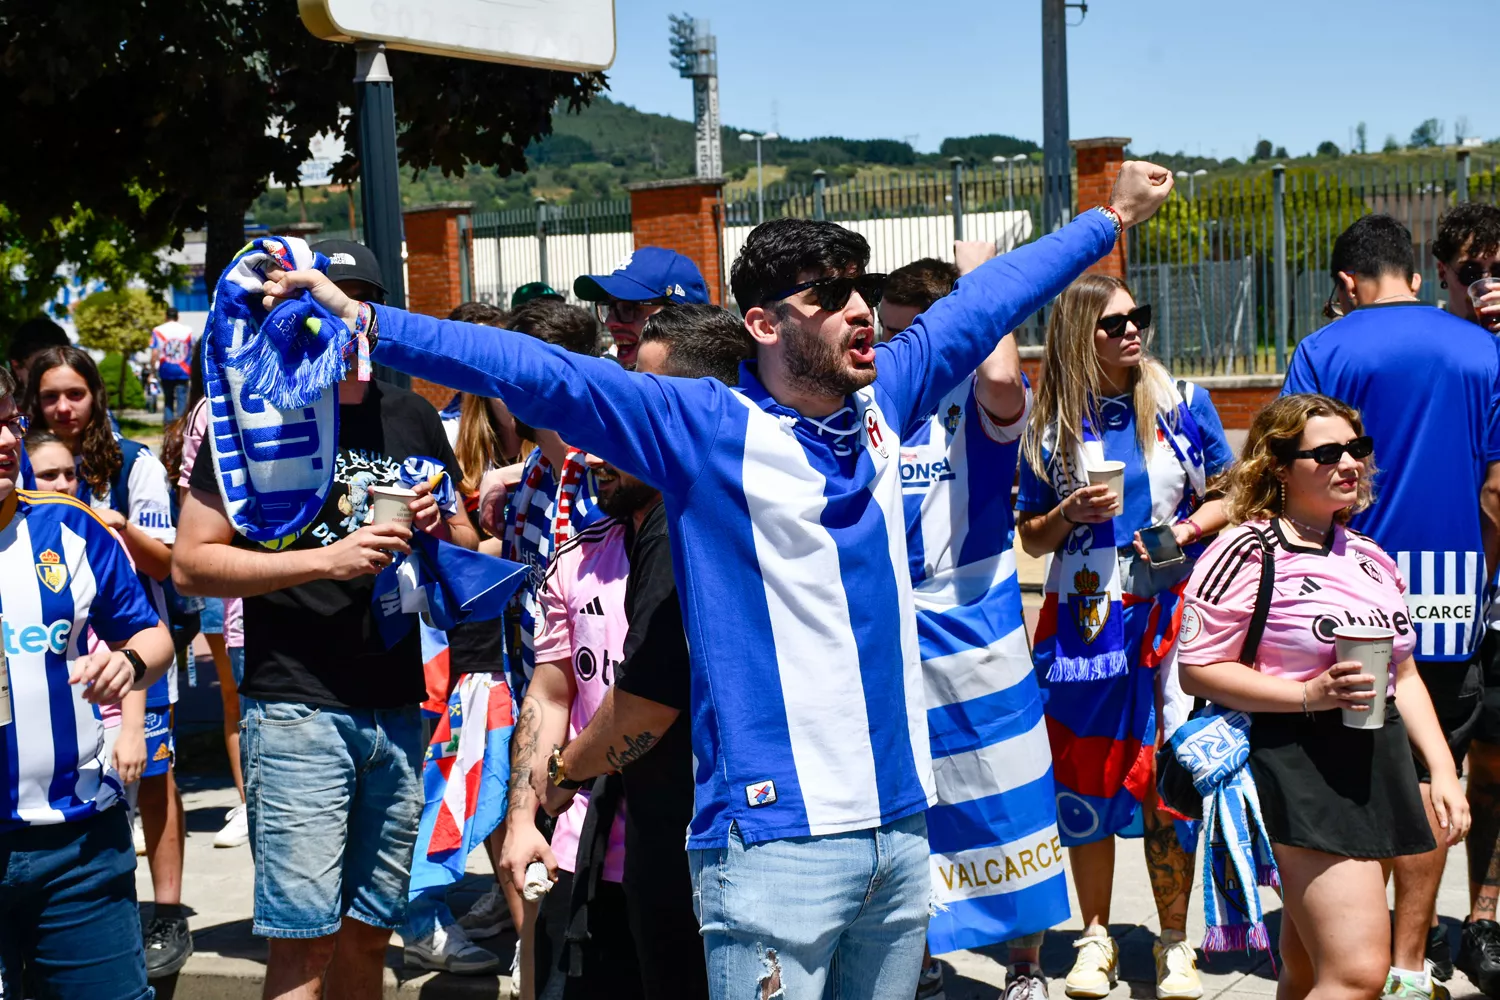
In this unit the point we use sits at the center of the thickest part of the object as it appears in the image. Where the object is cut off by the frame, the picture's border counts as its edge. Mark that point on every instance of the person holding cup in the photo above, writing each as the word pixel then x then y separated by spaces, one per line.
pixel 1337 782
pixel 1113 446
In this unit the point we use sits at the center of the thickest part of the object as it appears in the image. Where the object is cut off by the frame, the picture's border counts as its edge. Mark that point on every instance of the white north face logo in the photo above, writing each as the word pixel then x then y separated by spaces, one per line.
pixel 342 258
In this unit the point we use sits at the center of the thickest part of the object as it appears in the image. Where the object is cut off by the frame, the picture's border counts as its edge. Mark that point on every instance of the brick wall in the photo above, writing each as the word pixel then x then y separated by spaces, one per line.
pixel 1098 165
pixel 683 216
pixel 433 273
pixel 1237 397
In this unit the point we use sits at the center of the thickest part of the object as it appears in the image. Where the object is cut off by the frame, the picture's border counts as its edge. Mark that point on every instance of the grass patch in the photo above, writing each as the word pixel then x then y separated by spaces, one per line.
pixel 134 397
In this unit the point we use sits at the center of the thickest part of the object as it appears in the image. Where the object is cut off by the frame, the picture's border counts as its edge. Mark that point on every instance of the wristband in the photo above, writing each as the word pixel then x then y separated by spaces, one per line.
pixel 1114 219
pixel 364 325
pixel 1197 531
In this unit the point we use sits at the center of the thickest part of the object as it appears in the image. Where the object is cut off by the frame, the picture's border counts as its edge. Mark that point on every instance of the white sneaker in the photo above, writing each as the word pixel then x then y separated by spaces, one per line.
pixel 448 949
pixel 489 916
pixel 236 832
pixel 1096 970
pixel 138 834
pixel 515 974
pixel 1176 971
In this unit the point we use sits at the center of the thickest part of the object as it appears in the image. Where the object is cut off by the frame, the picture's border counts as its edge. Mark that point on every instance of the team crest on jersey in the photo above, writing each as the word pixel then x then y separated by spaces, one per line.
pixel 876 435
pixel 1090 608
pixel 1371 570
pixel 51 571
pixel 951 419
pixel 761 793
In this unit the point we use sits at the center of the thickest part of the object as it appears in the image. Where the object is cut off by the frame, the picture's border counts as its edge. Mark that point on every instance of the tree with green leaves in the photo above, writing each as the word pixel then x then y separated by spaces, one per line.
pixel 1263 149
pixel 117 322
pixel 1359 134
pixel 201 102
pixel 1426 135
pixel 1329 148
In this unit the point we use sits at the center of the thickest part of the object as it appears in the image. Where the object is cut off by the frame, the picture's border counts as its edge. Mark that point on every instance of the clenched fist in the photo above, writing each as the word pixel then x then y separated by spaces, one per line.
pixel 1139 191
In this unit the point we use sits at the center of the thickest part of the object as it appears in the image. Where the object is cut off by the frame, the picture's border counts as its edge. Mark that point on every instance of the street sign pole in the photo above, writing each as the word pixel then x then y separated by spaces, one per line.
pixel 379 189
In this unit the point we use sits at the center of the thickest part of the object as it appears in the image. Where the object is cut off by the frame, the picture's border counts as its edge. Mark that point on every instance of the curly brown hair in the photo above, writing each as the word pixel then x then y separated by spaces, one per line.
pixel 100 451
pixel 1252 491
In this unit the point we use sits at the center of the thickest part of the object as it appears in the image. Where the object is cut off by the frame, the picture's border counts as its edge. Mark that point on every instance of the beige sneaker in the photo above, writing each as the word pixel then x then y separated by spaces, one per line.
pixel 1096 969
pixel 1176 971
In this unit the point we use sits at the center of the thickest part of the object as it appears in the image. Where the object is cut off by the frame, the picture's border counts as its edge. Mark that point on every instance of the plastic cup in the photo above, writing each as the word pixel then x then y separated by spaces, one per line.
pixel 390 504
pixel 1479 290
pixel 1111 474
pixel 1370 646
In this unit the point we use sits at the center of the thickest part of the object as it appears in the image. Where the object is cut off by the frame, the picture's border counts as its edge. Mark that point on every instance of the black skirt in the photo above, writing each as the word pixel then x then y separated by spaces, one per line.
pixel 1347 792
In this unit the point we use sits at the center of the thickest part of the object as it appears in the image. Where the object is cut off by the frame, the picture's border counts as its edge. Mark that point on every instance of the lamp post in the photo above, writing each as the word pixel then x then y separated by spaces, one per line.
pixel 1192 179
pixel 1010 166
pixel 760 180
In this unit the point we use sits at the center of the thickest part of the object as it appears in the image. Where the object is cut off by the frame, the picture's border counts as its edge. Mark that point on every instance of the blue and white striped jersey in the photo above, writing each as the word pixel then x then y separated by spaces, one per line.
pixel 996 858
pixel 61 570
pixel 788 539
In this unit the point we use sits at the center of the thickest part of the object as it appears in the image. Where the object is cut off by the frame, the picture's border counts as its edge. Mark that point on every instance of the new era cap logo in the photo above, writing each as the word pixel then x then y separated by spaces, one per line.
pixel 761 793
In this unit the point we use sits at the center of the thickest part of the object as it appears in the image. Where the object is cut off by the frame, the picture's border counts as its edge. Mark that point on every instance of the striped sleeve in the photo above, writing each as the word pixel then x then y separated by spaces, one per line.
pixel 1221 599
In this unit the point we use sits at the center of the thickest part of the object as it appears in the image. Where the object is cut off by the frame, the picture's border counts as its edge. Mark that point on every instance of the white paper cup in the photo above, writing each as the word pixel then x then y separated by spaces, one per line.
pixel 1370 646
pixel 389 504
pixel 1111 474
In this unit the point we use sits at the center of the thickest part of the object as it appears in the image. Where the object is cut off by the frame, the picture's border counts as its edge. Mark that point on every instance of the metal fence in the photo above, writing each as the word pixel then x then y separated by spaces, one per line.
pixel 548 243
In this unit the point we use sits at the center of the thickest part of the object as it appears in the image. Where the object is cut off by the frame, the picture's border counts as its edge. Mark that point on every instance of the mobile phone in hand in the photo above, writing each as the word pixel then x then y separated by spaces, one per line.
pixel 1161 546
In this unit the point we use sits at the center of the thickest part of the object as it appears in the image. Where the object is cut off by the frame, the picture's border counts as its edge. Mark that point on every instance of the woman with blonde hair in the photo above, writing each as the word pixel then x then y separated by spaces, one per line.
pixel 1337 802
pixel 1105 641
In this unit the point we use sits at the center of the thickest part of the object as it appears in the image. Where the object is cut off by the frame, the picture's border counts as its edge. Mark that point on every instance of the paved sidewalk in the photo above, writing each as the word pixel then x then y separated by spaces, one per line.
pixel 228 963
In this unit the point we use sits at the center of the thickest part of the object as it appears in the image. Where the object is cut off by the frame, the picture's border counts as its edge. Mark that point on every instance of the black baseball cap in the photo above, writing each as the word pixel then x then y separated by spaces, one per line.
pixel 351 261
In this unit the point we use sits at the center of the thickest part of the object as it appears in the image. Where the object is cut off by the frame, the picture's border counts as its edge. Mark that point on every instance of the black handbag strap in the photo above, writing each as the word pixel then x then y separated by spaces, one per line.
pixel 1257 627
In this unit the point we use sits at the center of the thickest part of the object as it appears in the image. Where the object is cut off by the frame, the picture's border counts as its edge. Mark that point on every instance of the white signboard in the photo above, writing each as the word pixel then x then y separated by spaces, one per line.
pixel 548 34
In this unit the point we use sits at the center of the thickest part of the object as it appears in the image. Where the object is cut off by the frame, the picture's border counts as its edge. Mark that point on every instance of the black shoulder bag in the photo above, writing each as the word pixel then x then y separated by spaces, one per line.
pixel 1174 784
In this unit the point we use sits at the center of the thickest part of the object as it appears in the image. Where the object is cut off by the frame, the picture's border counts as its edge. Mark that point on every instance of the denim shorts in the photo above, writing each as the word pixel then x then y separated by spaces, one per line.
pixel 333 800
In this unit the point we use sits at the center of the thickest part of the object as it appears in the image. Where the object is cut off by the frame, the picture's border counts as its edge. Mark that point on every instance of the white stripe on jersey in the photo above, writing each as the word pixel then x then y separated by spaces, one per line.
pixel 817 655
pixel 977 671
pixel 965 584
pixel 31 701
pixel 91 766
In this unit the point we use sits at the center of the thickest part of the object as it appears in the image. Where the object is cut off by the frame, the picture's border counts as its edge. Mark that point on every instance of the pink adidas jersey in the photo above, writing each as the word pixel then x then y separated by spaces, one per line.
pixel 1350 582
pixel 583 624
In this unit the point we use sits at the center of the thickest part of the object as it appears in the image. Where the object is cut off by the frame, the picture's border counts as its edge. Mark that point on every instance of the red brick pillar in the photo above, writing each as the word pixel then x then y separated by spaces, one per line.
pixel 685 216
pixel 1098 165
pixel 433 277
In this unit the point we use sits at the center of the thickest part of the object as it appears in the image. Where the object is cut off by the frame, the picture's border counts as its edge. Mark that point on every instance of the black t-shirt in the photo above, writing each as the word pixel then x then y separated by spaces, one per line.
pixel 658 786
pixel 318 642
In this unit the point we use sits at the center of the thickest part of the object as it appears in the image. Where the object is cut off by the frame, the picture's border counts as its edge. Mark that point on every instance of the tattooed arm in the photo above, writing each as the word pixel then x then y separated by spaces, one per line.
pixel 542 726
pixel 621 732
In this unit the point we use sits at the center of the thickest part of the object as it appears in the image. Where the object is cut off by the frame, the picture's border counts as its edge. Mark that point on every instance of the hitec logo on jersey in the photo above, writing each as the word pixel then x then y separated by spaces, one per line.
pixel 51 638
pixel 761 793
pixel 877 436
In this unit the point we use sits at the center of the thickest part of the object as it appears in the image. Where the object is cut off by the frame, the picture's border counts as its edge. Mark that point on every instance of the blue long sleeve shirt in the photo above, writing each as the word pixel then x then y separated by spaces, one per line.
pixel 788 539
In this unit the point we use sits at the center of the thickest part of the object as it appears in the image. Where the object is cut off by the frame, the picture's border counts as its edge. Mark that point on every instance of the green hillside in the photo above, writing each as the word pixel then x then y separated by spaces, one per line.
pixel 593 154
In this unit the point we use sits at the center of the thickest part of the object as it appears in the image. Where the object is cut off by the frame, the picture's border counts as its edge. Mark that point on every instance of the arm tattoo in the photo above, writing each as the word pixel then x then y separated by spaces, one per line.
pixel 635 748
pixel 522 749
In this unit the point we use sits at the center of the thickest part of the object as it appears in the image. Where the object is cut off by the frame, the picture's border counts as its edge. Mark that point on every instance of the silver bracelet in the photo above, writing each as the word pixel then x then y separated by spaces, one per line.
pixel 1114 219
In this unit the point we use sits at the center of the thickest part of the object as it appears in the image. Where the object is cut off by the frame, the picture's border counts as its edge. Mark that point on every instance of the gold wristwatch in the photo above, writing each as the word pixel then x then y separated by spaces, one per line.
pixel 557 774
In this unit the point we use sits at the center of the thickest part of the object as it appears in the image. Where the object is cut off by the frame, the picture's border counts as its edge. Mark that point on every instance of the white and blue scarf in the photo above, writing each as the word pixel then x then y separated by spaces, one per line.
pixel 1215 749
pixel 1085 571
pixel 274 427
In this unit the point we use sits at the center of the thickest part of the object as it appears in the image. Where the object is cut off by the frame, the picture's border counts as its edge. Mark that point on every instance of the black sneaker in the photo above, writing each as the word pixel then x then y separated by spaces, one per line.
pixel 1439 955
pixel 168 945
pixel 1479 955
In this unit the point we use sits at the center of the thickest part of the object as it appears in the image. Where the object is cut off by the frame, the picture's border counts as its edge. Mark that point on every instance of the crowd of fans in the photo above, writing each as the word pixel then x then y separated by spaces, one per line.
pixel 768 710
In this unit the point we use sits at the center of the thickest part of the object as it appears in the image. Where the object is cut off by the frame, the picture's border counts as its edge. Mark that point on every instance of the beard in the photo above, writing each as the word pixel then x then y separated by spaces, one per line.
pixel 628 496
pixel 817 367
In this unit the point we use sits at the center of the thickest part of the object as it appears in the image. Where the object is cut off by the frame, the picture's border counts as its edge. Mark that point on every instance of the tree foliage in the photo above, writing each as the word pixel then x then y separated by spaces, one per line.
pixel 121 322
pixel 202 101
pixel 1426 135
pixel 1329 148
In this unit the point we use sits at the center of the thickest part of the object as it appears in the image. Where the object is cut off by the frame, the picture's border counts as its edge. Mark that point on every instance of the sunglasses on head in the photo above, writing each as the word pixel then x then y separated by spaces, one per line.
pixel 1471 271
pixel 1114 324
pixel 1360 448
pixel 833 293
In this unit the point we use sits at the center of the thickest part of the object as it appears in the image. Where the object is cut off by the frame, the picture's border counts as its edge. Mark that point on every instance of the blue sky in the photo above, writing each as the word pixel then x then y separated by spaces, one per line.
pixel 1205 76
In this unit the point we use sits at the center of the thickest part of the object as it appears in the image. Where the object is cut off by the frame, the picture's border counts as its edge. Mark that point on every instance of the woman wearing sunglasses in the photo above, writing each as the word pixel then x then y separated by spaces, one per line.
pixel 1337 802
pixel 1104 643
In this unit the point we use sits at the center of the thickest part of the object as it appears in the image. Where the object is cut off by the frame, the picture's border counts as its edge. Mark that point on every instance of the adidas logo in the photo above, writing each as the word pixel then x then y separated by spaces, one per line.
pixel 592 608
pixel 1309 586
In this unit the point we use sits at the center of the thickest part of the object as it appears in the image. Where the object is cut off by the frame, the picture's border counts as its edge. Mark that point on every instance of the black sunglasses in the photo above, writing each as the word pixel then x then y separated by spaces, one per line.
pixel 833 293
pixel 1113 325
pixel 1471 271
pixel 1360 448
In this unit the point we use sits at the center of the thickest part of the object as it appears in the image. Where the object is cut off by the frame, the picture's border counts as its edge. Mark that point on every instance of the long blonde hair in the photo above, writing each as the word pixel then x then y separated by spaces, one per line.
pixel 1251 490
pixel 478 446
pixel 1072 376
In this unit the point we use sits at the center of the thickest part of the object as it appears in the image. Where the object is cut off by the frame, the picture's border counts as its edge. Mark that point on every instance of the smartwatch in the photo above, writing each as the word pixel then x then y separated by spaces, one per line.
pixel 136 662
pixel 558 775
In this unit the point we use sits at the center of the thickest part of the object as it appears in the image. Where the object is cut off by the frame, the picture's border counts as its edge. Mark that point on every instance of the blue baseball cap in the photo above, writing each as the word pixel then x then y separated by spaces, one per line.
pixel 645 275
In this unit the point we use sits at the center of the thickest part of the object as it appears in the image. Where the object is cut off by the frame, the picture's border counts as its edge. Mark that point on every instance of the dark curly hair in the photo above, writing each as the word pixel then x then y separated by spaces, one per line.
pixel 101 452
pixel 1473 226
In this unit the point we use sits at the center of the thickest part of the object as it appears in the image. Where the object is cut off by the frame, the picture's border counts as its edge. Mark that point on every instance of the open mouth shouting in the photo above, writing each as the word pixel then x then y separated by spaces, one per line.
pixel 862 346
pixel 626 342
